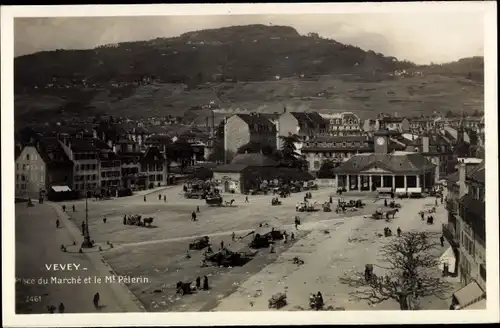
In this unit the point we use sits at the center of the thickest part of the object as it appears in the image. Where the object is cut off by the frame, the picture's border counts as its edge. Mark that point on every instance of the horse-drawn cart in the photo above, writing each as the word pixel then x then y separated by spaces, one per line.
pixel 200 243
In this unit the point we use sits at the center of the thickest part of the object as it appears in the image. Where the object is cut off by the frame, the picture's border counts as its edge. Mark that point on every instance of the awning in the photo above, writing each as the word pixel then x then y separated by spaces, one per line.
pixel 447 257
pixel 384 190
pixel 60 188
pixel 468 294
pixel 481 305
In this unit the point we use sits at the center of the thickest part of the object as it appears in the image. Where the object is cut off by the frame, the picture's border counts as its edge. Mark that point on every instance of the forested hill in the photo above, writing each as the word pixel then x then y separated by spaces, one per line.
pixel 241 53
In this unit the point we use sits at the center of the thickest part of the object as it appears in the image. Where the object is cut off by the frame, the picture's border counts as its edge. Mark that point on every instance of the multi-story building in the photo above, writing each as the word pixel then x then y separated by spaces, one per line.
pixel 110 172
pixel 30 173
pixel 304 125
pixel 341 124
pixel 439 150
pixel 85 157
pixel 400 124
pixel 241 129
pixel 131 174
pixel 470 235
pixel 421 124
pixel 334 148
pixel 154 166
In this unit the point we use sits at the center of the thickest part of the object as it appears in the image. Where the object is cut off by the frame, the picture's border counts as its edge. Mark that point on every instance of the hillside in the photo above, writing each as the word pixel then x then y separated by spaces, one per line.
pixel 253 67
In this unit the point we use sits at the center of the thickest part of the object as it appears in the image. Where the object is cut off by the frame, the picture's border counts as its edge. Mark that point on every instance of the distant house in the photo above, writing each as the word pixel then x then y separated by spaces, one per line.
pixel 154 165
pixel 346 123
pixel 85 157
pixel 305 125
pixel 241 129
pixel 400 124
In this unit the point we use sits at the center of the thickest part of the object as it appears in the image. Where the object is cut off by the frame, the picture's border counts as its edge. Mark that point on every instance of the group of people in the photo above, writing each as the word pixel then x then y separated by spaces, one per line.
pixel 61 308
pixel 64 208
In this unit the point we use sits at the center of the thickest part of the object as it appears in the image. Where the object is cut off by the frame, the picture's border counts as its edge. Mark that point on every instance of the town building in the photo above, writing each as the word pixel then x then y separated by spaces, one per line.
pixel 334 148
pixel 467 214
pixel 154 166
pixel 400 124
pixel 241 129
pixel 248 171
pixel 439 150
pixel 110 172
pixel 343 124
pixel 305 125
pixel 401 171
pixel 371 126
pixel 30 173
pixel 131 174
pixel 85 157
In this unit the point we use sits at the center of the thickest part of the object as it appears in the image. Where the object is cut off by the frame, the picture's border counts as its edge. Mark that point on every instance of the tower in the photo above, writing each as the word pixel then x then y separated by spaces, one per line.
pixel 381 140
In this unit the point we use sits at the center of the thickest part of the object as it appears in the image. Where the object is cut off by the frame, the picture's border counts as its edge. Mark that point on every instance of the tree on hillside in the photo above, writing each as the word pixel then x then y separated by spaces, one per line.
pixel 411 273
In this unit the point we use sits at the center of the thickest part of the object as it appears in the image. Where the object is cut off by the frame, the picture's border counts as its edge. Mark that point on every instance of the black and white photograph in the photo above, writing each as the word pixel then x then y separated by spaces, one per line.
pixel 250 161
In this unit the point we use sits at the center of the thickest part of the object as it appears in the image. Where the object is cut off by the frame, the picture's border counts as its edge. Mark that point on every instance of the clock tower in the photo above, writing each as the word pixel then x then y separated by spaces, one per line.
pixel 381 140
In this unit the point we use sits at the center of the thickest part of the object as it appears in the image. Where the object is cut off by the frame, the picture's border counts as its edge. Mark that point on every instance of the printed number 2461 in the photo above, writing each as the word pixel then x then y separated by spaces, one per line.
pixel 33 299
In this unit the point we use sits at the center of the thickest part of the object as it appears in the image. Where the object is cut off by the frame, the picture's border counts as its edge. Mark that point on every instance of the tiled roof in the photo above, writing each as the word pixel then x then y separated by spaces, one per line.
pixel 52 153
pixel 477 174
pixel 397 163
pixel 339 139
pixel 310 119
pixel 253 159
pixel 256 119
pixel 153 154
pixel 230 168
pixel 392 119
pixel 81 145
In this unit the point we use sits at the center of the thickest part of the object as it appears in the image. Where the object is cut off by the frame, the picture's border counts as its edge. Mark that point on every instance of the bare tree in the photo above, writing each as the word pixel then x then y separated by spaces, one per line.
pixel 411 272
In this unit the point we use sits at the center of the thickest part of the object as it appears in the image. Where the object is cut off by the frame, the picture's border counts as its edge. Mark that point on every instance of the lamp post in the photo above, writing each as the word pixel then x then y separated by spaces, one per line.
pixel 87 243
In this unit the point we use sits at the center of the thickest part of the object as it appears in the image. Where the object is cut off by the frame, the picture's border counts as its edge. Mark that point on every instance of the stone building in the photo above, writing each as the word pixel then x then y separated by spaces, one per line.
pixel 401 171
pixel 154 166
pixel 343 124
pixel 305 125
pixel 241 129
pixel 470 235
pixel 30 173
pixel 335 148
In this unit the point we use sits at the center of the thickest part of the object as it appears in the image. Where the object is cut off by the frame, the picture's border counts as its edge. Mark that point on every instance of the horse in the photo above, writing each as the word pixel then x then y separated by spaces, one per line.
pixel 392 212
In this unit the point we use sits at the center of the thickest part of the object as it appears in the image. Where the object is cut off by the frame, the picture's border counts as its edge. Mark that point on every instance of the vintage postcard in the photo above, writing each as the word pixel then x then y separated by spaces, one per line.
pixel 251 164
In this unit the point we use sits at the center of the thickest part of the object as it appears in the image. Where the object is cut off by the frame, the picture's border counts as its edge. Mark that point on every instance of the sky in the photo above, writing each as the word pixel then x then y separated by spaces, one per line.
pixel 418 37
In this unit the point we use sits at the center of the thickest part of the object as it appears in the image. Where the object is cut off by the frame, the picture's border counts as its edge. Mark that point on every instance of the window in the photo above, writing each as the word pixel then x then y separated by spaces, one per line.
pixel 17 177
pixel 24 167
pixel 17 167
pixel 27 157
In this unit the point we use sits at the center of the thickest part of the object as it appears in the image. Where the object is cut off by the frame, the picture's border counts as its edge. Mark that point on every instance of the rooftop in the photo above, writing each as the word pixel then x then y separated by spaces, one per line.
pixel 253 159
pixel 397 162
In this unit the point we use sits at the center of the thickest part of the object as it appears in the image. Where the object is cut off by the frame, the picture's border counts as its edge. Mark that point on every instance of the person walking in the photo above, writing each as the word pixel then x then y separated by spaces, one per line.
pixel 205 283
pixel 164 198
pixel 104 220
pixel 96 300
pixel 144 198
pixel 233 236
pixel 193 216
pixel 57 223
pixel 198 282
pixel 399 232
pixel 74 209
pixel 246 199
pixel 197 209
pixel 61 307
pixel 64 208
pixel 441 239
pixel 159 196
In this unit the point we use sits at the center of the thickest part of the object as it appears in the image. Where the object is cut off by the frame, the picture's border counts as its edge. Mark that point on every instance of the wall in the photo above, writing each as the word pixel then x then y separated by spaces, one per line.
pixel 30 173
pixel 288 124
pixel 234 181
pixel 236 134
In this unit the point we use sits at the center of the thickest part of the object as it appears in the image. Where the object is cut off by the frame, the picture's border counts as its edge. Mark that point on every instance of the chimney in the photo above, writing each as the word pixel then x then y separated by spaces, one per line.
pixel 425 144
pixel 461 178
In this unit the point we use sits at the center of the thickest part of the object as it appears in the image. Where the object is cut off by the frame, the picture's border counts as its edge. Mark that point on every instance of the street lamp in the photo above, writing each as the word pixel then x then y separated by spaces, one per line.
pixel 87 243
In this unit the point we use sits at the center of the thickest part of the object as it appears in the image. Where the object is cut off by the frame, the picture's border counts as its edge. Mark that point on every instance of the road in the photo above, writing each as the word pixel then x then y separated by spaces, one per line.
pixel 38 244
